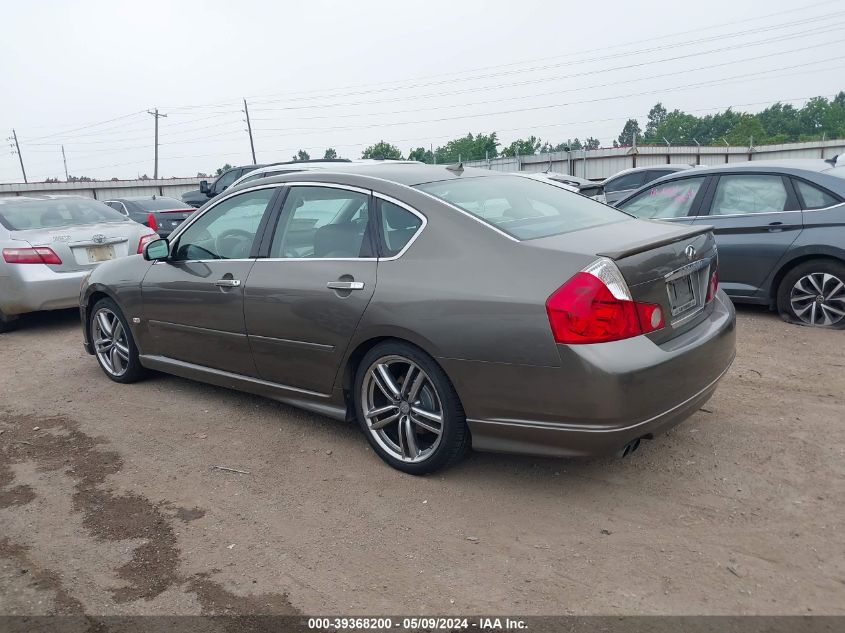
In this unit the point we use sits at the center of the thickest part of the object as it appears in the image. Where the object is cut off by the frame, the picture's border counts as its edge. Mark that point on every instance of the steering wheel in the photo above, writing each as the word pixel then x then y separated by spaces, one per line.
pixel 233 241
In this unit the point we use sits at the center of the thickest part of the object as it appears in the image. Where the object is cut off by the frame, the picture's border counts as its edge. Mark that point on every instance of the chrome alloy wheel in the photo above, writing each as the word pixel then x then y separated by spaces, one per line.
pixel 818 299
pixel 402 408
pixel 110 342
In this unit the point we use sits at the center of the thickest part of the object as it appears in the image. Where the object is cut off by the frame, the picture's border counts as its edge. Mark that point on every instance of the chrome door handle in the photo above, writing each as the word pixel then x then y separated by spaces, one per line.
pixel 345 285
pixel 228 283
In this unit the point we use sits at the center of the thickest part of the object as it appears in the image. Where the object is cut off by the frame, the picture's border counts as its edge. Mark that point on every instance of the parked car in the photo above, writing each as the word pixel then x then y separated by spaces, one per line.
pixel 161 214
pixel 441 307
pixel 780 228
pixel 543 177
pixel 627 181
pixel 50 243
pixel 198 197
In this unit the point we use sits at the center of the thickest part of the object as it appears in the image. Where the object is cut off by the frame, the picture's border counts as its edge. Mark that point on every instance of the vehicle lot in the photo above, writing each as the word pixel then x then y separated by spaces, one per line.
pixel 109 504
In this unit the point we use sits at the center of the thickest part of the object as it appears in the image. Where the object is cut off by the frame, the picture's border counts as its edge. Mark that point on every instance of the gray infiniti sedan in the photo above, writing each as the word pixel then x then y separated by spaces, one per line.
pixel 442 308
pixel 779 226
pixel 49 243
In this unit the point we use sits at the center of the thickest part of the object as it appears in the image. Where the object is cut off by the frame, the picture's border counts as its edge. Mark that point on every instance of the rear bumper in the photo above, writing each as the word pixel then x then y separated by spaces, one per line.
pixel 601 397
pixel 34 287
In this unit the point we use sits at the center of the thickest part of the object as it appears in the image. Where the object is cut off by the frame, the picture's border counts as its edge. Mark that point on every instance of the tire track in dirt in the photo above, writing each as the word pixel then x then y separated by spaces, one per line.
pixel 57 444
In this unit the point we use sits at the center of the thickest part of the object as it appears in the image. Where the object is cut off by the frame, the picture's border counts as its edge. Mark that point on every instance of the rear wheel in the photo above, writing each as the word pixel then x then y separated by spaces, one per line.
pixel 7 322
pixel 114 346
pixel 813 293
pixel 409 409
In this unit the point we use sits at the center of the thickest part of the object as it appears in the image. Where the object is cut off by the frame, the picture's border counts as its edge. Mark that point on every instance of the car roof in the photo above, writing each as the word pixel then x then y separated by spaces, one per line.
pixel 402 173
pixel 668 166
pixel 140 198
pixel 46 196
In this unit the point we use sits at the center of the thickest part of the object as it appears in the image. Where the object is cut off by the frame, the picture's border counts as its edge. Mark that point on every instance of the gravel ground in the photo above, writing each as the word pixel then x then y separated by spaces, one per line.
pixel 109 503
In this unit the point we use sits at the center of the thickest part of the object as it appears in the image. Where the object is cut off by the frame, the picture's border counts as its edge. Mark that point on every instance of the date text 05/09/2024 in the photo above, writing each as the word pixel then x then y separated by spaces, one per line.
pixel 417 623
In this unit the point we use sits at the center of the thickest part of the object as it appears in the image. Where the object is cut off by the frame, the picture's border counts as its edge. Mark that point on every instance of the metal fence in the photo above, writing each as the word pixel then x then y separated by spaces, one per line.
pixel 599 164
pixel 103 190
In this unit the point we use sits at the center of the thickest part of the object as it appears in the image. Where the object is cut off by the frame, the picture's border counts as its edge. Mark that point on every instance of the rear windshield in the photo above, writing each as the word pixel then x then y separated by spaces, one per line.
pixel 21 215
pixel 159 204
pixel 523 208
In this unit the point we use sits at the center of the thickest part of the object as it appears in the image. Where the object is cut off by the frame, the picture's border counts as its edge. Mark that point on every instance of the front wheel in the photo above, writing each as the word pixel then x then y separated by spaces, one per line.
pixel 409 409
pixel 113 343
pixel 813 293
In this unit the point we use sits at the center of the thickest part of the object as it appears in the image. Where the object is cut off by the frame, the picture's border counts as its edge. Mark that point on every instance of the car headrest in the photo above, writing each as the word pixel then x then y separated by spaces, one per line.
pixel 338 240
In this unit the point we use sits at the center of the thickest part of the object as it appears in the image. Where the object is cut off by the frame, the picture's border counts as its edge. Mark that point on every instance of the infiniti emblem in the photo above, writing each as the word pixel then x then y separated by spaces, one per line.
pixel 99 238
pixel 690 251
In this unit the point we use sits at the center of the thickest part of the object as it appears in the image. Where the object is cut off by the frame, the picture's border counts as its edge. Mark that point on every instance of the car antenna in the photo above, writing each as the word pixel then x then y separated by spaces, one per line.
pixel 833 160
pixel 457 168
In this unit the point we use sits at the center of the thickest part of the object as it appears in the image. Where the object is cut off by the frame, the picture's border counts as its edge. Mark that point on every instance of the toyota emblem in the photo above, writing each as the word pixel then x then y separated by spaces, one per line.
pixel 99 238
pixel 690 251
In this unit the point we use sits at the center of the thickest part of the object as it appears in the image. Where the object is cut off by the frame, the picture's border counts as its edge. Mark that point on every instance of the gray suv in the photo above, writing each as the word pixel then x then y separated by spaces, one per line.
pixel 779 226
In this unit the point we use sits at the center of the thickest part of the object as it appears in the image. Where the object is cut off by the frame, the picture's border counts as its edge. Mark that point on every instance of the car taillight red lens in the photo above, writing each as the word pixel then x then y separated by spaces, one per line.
pixel 151 221
pixel 585 310
pixel 145 239
pixel 713 284
pixel 37 255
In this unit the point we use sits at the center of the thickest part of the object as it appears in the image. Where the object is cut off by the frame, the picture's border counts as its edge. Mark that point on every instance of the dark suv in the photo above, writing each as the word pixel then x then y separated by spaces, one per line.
pixel 779 226
pixel 198 197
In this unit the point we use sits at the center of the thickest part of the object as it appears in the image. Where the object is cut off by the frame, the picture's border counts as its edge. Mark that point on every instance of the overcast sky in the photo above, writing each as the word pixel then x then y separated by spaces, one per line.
pixel 322 74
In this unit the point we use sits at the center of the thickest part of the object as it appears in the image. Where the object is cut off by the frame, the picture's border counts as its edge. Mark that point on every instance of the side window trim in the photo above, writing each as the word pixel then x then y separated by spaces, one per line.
pixel 382 245
pixel 277 220
pixel 174 237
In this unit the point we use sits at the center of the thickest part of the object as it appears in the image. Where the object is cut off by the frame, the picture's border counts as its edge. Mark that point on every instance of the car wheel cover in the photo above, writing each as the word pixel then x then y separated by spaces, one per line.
pixel 818 299
pixel 110 342
pixel 402 409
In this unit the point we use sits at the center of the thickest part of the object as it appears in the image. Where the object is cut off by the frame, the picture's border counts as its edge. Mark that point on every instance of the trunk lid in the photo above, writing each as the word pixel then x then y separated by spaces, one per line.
pixel 82 247
pixel 168 221
pixel 662 263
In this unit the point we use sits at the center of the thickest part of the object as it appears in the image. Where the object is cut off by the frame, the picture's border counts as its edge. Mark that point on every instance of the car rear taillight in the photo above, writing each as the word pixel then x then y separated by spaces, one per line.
pixel 595 306
pixel 712 284
pixel 145 239
pixel 37 255
pixel 151 221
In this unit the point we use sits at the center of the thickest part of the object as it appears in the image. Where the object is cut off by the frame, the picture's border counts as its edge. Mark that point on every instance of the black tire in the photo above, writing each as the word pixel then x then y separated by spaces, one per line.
pixel 455 439
pixel 791 312
pixel 134 371
pixel 7 323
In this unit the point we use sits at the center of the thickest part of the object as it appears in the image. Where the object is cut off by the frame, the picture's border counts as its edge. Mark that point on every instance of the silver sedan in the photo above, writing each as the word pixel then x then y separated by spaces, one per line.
pixel 50 243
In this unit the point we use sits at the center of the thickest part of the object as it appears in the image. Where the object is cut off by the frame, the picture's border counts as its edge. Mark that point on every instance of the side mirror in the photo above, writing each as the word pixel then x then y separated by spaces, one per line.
pixel 157 250
pixel 204 187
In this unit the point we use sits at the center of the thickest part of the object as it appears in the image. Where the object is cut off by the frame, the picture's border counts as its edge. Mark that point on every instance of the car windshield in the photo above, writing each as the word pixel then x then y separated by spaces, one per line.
pixel 523 208
pixel 21 215
pixel 159 204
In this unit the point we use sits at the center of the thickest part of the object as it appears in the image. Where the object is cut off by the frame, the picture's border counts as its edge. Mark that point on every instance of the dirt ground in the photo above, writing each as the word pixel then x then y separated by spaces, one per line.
pixel 109 503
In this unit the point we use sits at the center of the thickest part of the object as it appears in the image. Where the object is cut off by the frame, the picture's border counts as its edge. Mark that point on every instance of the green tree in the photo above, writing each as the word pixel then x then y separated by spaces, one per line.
pixel 382 150
pixel 300 156
pixel 330 154
pixel 630 130
pixel 656 116
pixel 749 128
pixel 523 147
pixel 592 143
pixel 421 154
pixel 225 167
pixel 469 147
pixel 559 147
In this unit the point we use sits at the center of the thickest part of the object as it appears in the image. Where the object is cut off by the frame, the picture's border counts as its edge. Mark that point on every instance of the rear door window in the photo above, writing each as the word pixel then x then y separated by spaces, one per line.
pixel 398 227
pixel 673 199
pixel 323 223
pixel 625 182
pixel 740 194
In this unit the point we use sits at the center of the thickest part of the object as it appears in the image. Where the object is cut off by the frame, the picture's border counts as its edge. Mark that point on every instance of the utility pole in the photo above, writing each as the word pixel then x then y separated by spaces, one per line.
pixel 20 158
pixel 249 129
pixel 64 160
pixel 156 116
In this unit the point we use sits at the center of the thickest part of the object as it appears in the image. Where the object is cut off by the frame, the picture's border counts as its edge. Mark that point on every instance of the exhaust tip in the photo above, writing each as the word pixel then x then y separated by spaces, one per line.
pixel 630 447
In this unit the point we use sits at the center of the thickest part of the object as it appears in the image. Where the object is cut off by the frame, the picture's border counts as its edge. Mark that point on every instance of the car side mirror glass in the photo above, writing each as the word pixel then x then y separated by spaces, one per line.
pixel 157 250
pixel 204 187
